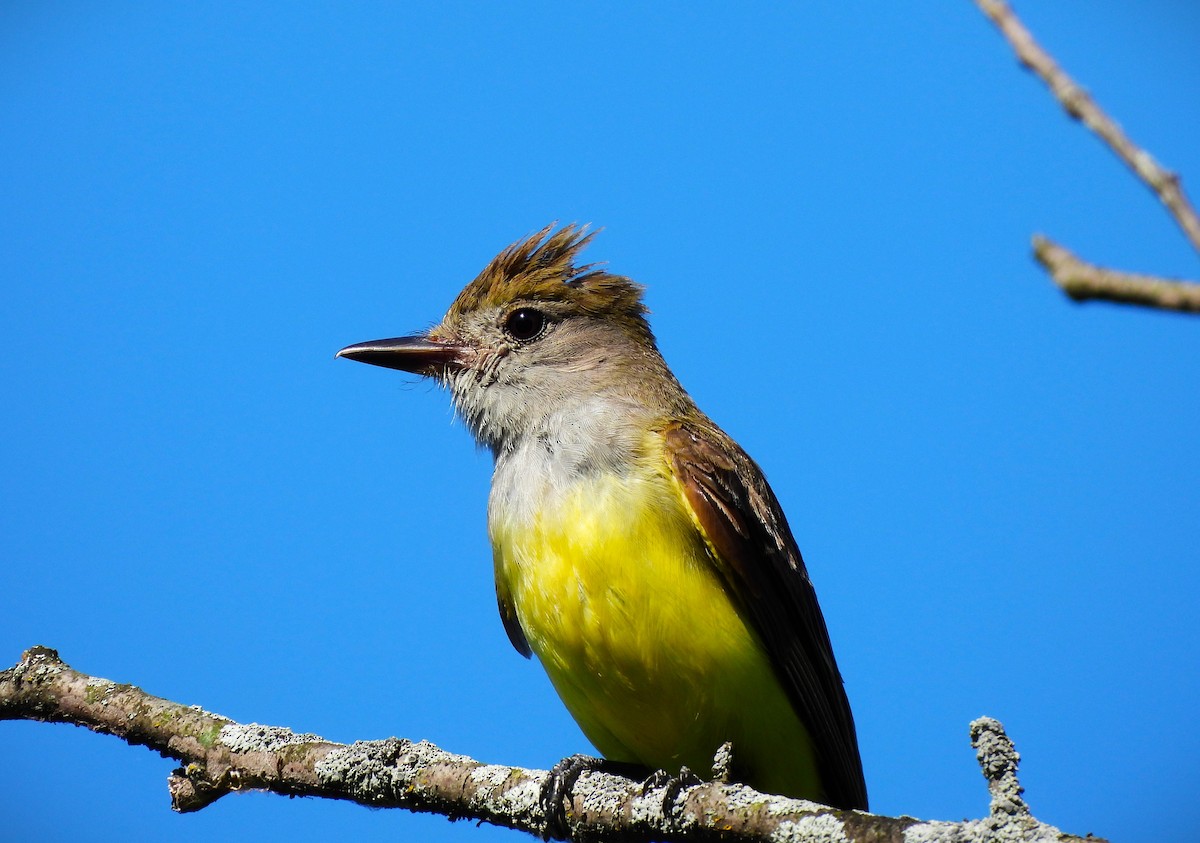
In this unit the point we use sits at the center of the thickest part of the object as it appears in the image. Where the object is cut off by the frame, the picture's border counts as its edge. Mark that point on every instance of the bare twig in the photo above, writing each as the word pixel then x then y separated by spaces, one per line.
pixel 1096 282
pixel 1082 107
pixel 221 756
pixel 1082 281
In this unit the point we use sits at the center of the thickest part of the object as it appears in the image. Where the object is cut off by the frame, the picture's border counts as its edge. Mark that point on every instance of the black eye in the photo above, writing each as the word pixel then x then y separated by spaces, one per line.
pixel 525 324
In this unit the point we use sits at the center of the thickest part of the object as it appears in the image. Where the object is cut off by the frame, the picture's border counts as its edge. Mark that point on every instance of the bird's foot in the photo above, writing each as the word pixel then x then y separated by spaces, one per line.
pixel 561 780
pixel 672 786
pixel 659 778
pixel 558 784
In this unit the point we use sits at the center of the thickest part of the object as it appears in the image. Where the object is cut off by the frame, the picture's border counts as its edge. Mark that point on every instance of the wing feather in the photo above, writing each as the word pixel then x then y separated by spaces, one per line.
pixel 756 556
pixel 508 616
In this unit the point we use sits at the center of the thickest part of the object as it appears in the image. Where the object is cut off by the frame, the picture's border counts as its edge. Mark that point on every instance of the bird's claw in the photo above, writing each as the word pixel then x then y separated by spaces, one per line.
pixel 672 786
pixel 559 782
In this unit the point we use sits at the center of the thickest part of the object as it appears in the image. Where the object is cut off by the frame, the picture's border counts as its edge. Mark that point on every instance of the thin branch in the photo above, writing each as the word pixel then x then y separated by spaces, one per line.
pixel 220 756
pixel 1082 281
pixel 1082 107
pixel 1102 283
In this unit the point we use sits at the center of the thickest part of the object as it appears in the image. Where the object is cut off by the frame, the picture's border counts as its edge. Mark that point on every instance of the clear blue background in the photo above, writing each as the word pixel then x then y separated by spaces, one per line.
pixel 996 490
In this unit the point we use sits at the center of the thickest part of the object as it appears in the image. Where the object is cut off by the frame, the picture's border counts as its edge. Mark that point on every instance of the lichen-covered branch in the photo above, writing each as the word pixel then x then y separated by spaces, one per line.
pixel 1088 281
pixel 220 756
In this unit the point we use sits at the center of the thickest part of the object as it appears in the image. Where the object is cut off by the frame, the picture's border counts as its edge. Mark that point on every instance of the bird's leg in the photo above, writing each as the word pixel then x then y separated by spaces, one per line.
pixel 561 779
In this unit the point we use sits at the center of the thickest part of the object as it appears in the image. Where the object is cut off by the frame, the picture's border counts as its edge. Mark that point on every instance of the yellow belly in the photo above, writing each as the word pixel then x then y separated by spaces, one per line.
pixel 616 597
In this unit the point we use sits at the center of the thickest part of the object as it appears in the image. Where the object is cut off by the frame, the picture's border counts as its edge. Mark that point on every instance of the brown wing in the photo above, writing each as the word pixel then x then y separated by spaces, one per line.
pixel 758 559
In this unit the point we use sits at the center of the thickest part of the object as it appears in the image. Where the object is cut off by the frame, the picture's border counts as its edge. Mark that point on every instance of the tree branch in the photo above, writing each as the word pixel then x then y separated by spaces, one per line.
pixel 221 756
pixel 1085 281
pixel 1082 281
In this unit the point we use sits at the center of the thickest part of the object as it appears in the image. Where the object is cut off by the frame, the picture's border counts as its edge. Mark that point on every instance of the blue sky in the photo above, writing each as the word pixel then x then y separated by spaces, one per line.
pixel 996 490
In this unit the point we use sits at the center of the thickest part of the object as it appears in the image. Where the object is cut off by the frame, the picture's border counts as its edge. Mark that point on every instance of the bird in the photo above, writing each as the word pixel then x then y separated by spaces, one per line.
pixel 639 553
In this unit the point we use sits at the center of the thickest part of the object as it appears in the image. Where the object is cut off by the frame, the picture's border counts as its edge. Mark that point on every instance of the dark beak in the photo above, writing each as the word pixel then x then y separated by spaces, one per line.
pixel 419 355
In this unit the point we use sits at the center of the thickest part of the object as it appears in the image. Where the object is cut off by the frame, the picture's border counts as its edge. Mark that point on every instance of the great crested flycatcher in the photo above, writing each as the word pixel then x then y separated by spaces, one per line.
pixel 638 550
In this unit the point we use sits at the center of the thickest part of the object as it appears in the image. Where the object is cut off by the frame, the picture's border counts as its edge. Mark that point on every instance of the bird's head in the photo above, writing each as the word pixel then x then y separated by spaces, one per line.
pixel 533 334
